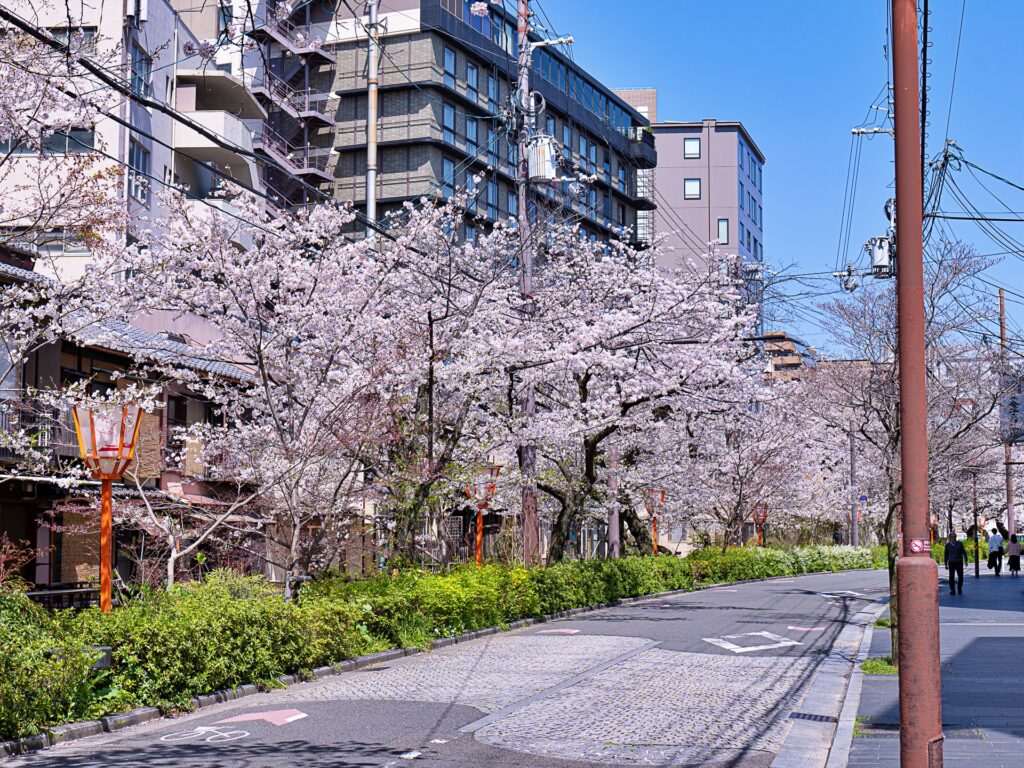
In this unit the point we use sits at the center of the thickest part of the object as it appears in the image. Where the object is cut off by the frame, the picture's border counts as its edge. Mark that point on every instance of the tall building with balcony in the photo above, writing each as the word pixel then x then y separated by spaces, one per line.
pixel 446 83
pixel 151 47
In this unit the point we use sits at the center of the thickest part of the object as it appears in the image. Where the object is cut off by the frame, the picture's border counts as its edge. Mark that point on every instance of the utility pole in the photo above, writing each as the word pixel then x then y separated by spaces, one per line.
pixel 917 577
pixel 977 565
pixel 614 537
pixel 528 451
pixel 854 532
pixel 372 80
pixel 1011 523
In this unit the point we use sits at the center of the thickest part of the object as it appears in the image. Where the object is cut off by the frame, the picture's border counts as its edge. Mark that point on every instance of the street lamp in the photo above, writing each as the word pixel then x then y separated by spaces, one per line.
pixel 760 516
pixel 482 491
pixel 107 435
pixel 654 501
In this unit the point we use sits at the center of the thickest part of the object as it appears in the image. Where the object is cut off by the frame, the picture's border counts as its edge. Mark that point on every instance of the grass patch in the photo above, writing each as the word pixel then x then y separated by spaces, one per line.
pixel 879 666
pixel 884 623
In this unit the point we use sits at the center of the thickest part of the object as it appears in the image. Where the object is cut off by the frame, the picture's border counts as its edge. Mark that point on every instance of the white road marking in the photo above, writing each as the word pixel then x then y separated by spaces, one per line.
pixel 559 632
pixel 410 755
pixel 777 642
pixel 439 741
pixel 807 629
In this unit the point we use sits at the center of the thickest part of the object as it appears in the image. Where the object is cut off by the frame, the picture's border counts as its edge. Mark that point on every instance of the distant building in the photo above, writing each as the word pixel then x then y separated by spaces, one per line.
pixel 788 357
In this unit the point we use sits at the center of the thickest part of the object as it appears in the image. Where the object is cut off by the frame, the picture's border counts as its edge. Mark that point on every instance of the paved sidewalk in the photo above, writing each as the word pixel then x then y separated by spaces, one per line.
pixel 982 640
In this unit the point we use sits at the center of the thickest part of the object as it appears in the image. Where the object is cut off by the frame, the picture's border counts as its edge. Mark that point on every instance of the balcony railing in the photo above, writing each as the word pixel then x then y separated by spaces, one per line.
pixel 299 102
pixel 29 426
pixel 296 159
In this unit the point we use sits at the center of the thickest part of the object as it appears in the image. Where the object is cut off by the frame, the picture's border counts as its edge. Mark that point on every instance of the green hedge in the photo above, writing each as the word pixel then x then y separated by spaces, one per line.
pixel 231 629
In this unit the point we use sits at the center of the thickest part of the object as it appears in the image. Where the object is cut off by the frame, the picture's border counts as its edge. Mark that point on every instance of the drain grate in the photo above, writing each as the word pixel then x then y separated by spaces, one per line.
pixel 813 718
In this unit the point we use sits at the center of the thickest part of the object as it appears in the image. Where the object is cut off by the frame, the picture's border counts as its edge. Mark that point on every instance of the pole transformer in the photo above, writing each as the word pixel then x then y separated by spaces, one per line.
pixel 921 741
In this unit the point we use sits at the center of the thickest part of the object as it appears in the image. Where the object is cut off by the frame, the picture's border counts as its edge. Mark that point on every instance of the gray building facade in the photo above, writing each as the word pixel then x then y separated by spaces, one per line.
pixel 446 81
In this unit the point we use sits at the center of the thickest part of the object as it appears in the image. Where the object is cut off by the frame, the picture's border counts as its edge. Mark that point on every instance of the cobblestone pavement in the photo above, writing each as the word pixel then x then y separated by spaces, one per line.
pixel 707 679
pixel 683 708
pixel 489 674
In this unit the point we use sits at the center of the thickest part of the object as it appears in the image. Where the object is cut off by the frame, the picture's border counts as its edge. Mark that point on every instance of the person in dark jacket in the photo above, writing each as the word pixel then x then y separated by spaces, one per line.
pixel 953 557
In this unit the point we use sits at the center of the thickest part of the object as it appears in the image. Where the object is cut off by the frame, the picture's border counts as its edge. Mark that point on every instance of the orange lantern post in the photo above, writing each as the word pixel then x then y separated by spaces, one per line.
pixel 654 500
pixel 482 492
pixel 107 435
pixel 760 518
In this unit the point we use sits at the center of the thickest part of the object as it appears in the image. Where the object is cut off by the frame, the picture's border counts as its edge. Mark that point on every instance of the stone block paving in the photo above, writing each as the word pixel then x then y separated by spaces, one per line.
pixel 642 709
pixel 487 674
pixel 982 634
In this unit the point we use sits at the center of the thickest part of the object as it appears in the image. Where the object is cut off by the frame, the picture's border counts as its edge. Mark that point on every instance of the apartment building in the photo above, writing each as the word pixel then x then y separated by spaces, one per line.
pixel 149 44
pixel 788 357
pixel 446 83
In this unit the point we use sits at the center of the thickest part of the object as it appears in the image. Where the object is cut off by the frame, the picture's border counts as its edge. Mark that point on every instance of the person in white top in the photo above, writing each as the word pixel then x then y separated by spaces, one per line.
pixel 995 552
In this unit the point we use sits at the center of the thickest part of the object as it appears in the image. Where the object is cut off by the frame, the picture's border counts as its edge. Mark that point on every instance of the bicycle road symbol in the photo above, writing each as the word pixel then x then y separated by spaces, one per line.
pixel 207 733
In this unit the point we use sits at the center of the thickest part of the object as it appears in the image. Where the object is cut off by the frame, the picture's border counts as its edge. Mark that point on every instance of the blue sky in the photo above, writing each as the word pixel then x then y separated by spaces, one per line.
pixel 800 74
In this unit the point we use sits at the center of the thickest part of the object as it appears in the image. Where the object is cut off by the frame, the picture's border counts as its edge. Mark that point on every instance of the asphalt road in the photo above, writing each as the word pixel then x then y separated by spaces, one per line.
pixel 707 678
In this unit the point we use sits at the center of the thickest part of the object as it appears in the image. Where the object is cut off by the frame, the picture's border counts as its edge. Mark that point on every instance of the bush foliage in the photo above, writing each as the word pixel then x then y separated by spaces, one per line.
pixel 229 629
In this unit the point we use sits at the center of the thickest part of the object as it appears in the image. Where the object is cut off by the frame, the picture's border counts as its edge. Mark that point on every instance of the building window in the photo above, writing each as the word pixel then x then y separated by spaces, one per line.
pixel 449 124
pixel 760 214
pixel 138 172
pixel 622 177
pixel 723 231
pixel 583 152
pixel 691 189
pixel 513 204
pixel 749 239
pixel 492 93
pixel 757 248
pixel 691 148
pixel 567 141
pixel 71 142
pixel 759 178
pixel 739 157
pixel 606 163
pixel 743 231
pixel 549 126
pixel 470 233
pixel 472 144
pixel 741 192
pixel 449 67
pixel 447 177
pixel 592 157
pixel 492 200
pixel 472 80
pixel 141 71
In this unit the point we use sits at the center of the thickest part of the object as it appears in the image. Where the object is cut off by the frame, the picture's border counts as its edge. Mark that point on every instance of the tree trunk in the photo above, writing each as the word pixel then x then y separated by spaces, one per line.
pixel 560 533
pixel 638 529
pixel 891 539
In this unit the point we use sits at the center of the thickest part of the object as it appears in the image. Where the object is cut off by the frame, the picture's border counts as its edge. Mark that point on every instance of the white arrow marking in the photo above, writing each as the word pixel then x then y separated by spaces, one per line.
pixel 777 642
pixel 275 717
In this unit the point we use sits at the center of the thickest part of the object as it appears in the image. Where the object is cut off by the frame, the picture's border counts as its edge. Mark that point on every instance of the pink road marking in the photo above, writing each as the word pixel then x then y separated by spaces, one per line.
pixel 807 629
pixel 558 632
pixel 275 717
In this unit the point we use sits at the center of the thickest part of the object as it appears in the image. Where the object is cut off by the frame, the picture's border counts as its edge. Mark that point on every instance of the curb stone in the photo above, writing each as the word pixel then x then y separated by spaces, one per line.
pixel 813 738
pixel 839 755
pixel 73 731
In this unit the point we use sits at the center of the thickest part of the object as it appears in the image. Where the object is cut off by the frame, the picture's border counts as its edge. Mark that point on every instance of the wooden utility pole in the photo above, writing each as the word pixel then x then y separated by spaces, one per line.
pixel 527 451
pixel 917 577
pixel 1011 523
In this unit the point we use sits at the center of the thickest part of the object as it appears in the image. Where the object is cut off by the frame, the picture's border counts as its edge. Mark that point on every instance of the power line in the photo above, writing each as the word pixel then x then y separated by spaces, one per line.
pixel 956 64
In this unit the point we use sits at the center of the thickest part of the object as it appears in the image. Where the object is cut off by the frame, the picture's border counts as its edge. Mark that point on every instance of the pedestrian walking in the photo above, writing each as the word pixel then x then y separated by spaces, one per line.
pixel 953 557
pixel 995 552
pixel 1013 555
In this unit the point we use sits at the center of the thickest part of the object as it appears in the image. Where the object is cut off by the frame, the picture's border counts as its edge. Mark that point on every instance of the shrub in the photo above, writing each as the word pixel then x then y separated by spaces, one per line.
pixel 44 676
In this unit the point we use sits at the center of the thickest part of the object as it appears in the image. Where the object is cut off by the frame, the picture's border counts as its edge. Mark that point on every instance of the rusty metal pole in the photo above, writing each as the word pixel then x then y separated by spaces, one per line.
pixel 1011 523
pixel 917 578
pixel 106 544
pixel 654 543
